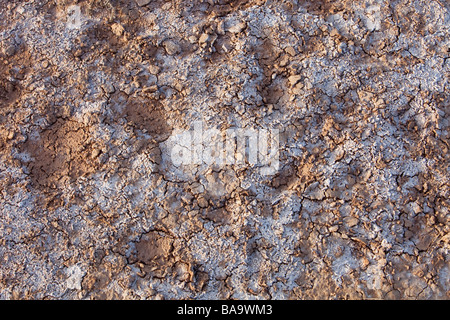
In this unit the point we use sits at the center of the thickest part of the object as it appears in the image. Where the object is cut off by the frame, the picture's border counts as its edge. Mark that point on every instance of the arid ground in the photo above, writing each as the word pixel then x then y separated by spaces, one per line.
pixel 92 205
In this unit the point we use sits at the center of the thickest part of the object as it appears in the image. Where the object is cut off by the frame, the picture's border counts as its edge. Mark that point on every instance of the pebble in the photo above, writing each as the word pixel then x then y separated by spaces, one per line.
pixel 351 221
pixel 171 47
pixel 221 28
pixel 284 61
pixel 291 51
pixel 109 88
pixel 95 153
pixel 333 228
pixel 235 26
pixel 298 88
pixel 192 39
pixel 20 10
pixel 150 89
pixel 334 32
pixel 202 202
pixel 154 69
pixel 294 79
pixel 203 38
pixel 117 29
pixel 142 3
pixel 129 90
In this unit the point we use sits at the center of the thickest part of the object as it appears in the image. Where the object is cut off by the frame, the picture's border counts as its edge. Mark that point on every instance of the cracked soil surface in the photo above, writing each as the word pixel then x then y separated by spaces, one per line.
pixel 92 207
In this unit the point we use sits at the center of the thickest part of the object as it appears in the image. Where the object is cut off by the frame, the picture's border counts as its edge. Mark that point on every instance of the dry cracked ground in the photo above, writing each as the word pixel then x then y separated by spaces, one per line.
pixel 92 207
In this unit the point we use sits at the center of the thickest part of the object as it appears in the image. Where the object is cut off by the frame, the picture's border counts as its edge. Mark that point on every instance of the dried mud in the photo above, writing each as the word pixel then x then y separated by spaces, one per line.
pixel 92 207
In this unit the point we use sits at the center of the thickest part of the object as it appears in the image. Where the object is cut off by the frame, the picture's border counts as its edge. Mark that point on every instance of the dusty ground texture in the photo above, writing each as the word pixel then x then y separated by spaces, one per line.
pixel 91 206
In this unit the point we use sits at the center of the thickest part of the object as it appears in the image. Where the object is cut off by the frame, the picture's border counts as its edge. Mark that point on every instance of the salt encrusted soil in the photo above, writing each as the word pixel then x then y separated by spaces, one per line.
pixel 92 207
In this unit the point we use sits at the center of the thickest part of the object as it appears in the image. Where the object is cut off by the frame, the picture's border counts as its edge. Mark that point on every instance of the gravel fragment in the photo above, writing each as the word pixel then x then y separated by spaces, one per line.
pixel 143 2
pixel 171 47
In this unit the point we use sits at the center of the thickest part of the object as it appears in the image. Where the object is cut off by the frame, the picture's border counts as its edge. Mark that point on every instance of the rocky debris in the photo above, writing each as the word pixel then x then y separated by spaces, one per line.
pixel 293 80
pixel 143 2
pixel 234 25
pixel 93 206
pixel 117 29
pixel 154 250
pixel 154 69
pixel 171 47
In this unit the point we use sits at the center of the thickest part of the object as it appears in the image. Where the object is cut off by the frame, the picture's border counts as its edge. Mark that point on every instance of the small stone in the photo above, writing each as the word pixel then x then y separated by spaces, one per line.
pixel 339 153
pixel 284 61
pixel 364 263
pixel 317 195
pixel 291 51
pixel 202 202
pixel 221 28
pixel 334 32
pixel 178 86
pixel 142 3
pixel 78 53
pixel 365 175
pixel 151 80
pixel 150 89
pixel 154 69
pixel 20 10
pixel 186 198
pixel 415 208
pixel 298 88
pixel 129 90
pixel 333 228
pixel 109 88
pixel 136 84
pixel 192 39
pixel 235 26
pixel 117 29
pixel 203 38
pixel 351 221
pixel 197 188
pixel 294 79
pixel 196 30
pixel 171 47
pixel 95 153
